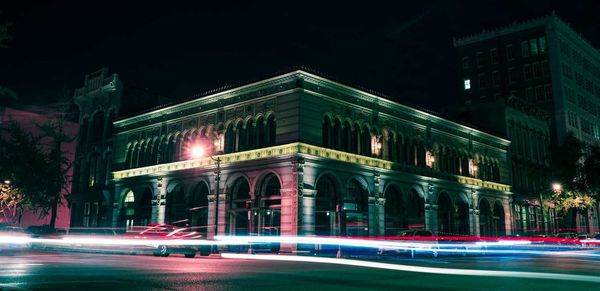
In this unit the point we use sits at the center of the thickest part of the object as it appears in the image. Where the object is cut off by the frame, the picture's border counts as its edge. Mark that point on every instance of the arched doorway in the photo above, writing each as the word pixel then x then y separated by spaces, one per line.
pixel 267 218
pixel 326 216
pixel 238 213
pixel 128 210
pixel 485 218
pixel 354 218
pixel 445 213
pixel 461 217
pixel 415 210
pixel 198 209
pixel 498 219
pixel 176 206
pixel 395 212
pixel 143 212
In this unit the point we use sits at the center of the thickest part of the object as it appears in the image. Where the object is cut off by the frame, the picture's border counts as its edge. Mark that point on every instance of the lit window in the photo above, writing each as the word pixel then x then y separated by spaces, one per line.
pixel 534 47
pixel 542 45
pixel 376 145
pixel 472 168
pixel 467 84
pixel 429 159
pixel 129 197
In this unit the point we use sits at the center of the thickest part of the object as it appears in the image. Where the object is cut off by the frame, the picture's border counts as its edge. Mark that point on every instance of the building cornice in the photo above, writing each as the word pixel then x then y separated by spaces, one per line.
pixel 311 151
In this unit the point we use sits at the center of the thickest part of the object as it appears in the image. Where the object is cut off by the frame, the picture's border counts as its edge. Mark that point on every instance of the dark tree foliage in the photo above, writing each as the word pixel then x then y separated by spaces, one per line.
pixel 36 165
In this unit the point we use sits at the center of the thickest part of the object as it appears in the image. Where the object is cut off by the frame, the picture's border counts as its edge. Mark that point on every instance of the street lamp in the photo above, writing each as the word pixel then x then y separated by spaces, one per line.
pixel 196 152
pixel 556 187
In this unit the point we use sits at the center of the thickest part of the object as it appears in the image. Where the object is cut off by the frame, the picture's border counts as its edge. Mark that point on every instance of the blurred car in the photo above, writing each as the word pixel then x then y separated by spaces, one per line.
pixel 169 232
pixel 45 231
pixel 567 238
pixel 591 241
pixel 421 237
pixel 13 238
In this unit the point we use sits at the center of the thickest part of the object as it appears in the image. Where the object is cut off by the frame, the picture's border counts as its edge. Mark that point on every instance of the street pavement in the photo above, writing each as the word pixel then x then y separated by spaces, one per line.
pixel 38 270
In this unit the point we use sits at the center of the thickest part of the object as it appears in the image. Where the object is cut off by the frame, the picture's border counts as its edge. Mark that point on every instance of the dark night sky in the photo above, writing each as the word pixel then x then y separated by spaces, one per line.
pixel 177 50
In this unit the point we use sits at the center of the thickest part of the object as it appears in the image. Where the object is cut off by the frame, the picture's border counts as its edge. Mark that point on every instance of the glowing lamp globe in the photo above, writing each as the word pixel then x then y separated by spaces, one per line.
pixel 197 152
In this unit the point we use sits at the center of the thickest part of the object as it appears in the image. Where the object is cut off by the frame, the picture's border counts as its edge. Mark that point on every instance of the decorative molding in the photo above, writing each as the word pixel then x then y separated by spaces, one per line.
pixel 296 149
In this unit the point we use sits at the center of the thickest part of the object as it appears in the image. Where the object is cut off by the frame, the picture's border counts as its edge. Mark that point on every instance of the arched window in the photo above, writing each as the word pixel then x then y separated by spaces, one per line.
pixel 336 135
pixel 97 126
pixel 176 212
pixel 366 141
pixel 198 209
pixel 395 212
pixel 240 133
pixel 143 210
pixel 129 156
pixel 326 215
pixel 326 132
pixel 250 134
pixel 229 139
pixel 128 210
pixel 445 214
pixel 271 130
pixel 347 137
pixel 238 213
pixel 269 199
pixel 355 139
pixel 93 167
pixel 485 218
pixel 461 217
pixel 415 208
pixel 260 132
pixel 354 204
pixel 499 228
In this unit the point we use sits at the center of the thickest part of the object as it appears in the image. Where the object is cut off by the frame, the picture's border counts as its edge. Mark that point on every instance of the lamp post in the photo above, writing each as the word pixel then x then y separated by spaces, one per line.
pixel 197 151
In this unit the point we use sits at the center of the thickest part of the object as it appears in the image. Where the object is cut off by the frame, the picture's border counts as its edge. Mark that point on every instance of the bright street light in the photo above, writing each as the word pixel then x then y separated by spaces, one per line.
pixel 196 151
pixel 556 187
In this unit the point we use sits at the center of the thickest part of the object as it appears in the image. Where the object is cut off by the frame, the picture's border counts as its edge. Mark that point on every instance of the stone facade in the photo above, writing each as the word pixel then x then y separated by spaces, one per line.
pixel 303 155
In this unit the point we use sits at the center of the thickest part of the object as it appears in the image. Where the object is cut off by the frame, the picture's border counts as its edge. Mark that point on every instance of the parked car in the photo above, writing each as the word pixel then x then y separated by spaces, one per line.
pixel 169 232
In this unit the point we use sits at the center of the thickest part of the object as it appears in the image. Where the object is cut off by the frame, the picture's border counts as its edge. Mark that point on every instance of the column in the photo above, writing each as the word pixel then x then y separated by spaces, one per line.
pixel 289 218
pixel 380 204
pixel 431 217
pixel 373 222
pixel 507 216
pixel 307 204
pixel 159 208
pixel 474 214
pixel 211 216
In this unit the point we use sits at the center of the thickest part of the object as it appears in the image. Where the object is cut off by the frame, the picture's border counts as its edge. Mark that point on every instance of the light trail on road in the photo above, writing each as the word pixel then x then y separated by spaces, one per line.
pixel 408 268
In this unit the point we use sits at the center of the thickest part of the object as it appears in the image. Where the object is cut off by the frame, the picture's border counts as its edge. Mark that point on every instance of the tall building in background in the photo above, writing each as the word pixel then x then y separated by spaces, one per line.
pixel 547 66
pixel 542 61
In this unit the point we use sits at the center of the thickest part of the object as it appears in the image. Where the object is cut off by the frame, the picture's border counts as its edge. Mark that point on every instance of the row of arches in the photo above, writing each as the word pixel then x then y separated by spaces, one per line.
pixel 338 210
pixel 366 140
pixel 249 134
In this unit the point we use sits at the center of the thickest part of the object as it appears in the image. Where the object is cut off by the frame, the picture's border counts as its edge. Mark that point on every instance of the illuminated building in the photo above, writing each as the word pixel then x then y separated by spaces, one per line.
pixel 545 64
pixel 304 155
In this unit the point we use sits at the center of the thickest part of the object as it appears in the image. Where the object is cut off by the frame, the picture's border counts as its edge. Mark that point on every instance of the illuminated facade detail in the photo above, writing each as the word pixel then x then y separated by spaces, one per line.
pixel 467 84
pixel 304 155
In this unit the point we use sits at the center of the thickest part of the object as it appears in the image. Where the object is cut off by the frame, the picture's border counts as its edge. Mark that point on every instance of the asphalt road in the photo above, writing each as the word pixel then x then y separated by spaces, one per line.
pixel 81 271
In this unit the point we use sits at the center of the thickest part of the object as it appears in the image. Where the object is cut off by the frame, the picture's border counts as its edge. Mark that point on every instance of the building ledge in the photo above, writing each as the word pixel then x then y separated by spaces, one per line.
pixel 302 149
